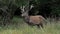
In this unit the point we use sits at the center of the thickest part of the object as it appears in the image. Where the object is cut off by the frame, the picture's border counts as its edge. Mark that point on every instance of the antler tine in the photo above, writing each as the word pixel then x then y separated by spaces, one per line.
pixel 22 8
pixel 31 6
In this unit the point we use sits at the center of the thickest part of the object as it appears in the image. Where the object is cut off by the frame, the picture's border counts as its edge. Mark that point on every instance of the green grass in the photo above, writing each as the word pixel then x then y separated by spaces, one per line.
pixel 20 27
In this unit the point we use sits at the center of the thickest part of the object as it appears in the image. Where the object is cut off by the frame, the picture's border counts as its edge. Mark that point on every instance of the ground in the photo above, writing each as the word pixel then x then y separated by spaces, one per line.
pixel 20 27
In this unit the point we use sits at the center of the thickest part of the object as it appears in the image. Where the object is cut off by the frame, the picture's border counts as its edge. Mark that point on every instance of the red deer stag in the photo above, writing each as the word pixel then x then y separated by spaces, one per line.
pixel 33 20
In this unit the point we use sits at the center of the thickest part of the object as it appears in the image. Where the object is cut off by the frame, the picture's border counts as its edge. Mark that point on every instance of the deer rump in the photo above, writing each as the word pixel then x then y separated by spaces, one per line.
pixel 35 20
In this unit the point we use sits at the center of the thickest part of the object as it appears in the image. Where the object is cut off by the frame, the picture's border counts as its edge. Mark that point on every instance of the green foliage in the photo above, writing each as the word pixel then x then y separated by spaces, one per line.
pixel 46 6
pixel 54 4
pixel 20 27
pixel 21 2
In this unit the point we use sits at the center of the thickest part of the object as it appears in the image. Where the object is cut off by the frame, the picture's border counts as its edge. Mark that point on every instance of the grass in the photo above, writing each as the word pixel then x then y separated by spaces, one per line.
pixel 20 27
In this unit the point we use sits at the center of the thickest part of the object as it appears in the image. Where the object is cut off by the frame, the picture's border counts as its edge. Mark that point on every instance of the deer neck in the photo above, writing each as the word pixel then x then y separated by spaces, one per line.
pixel 27 18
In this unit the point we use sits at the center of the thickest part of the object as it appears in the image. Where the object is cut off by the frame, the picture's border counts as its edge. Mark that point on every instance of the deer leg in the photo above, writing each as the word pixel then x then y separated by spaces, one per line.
pixel 31 24
pixel 41 24
pixel 38 25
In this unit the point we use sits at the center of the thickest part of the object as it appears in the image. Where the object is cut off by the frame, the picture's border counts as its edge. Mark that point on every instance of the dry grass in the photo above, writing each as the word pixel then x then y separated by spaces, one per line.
pixel 22 28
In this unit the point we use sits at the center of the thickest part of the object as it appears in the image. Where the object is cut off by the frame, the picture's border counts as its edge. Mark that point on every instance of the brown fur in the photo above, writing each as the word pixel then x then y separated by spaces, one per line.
pixel 32 20
pixel 36 20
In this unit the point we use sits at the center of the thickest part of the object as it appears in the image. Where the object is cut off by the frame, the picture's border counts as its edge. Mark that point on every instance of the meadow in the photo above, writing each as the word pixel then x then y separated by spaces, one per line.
pixel 20 27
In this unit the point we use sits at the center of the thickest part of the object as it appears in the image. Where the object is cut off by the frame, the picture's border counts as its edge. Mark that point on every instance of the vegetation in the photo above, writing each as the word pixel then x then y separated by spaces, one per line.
pixel 45 8
pixel 12 23
pixel 20 27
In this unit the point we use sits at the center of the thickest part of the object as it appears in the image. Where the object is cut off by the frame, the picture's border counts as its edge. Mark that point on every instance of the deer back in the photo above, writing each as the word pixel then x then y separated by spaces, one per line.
pixel 35 19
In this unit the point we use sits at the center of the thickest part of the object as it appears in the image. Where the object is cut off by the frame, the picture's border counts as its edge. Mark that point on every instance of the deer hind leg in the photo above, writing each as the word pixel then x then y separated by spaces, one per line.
pixel 38 25
pixel 41 25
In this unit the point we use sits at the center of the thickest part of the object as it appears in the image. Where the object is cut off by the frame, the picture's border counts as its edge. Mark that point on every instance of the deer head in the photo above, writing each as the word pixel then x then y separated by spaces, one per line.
pixel 25 10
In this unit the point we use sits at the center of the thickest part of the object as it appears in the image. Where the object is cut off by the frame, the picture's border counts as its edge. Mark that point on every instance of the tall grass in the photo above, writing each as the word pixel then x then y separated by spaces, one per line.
pixel 20 27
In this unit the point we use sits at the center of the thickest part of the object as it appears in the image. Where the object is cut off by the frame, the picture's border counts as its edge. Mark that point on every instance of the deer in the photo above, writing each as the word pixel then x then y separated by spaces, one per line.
pixel 33 20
